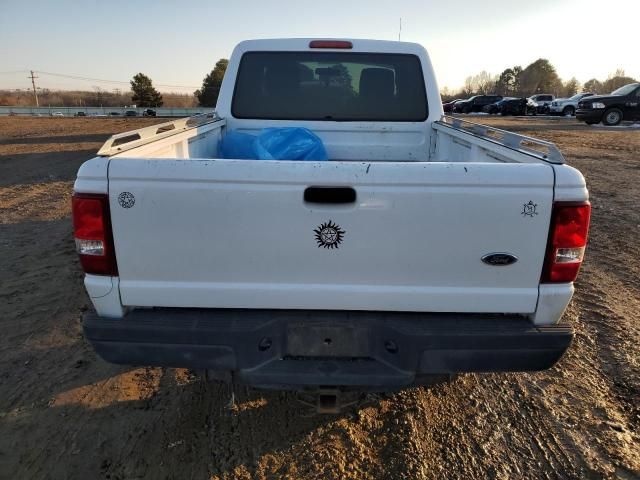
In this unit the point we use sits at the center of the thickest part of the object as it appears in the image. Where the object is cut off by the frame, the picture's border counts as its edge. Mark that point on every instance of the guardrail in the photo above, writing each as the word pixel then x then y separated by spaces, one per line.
pixel 541 149
pixel 101 111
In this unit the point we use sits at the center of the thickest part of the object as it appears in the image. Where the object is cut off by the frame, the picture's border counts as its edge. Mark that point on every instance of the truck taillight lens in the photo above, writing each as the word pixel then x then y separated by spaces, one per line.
pixel 567 241
pixel 92 232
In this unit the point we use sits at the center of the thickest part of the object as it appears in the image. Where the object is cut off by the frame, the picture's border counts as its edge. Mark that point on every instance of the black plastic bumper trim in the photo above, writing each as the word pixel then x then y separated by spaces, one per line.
pixel 267 347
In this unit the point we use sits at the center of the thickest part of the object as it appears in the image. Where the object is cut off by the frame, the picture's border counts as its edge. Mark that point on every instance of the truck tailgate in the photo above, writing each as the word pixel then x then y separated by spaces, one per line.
pixel 239 234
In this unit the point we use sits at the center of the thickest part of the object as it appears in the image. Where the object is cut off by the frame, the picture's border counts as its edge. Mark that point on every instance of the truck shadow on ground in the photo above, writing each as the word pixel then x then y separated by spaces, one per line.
pixel 159 423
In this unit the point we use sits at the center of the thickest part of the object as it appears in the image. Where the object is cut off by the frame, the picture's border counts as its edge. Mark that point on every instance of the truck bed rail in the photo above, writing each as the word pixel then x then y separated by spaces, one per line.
pixel 121 142
pixel 541 149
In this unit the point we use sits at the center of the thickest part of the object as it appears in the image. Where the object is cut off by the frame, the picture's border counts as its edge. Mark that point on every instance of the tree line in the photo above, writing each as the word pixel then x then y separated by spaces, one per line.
pixel 92 98
pixel 145 95
pixel 538 77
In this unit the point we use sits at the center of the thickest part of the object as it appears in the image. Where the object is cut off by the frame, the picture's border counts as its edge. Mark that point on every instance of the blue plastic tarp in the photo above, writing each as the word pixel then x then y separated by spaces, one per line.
pixel 274 144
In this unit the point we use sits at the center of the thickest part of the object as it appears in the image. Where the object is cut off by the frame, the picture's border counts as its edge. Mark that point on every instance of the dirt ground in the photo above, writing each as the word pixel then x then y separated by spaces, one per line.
pixel 64 413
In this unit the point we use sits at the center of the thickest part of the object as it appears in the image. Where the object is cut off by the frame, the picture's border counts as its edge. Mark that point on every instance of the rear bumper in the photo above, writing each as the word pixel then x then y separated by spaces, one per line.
pixel 301 348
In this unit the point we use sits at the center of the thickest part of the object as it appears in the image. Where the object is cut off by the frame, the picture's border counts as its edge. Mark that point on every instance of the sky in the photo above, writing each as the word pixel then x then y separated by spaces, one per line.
pixel 177 42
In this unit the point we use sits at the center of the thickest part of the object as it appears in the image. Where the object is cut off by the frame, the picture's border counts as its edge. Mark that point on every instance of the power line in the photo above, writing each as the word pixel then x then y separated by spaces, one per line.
pixel 119 82
pixel 99 80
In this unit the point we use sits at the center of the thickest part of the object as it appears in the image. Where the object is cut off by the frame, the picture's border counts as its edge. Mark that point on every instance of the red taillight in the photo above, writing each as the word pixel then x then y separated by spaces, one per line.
pixel 92 232
pixel 330 44
pixel 567 241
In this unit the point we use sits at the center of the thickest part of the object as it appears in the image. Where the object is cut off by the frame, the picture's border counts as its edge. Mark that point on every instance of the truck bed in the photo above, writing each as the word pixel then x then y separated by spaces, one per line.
pixel 450 140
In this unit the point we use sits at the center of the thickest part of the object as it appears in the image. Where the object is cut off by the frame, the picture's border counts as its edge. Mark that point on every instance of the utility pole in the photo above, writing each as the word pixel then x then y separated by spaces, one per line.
pixel 33 82
pixel 400 29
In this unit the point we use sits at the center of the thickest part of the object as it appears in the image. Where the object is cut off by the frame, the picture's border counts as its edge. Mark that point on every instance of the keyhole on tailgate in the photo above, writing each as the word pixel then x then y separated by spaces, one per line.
pixel 327 341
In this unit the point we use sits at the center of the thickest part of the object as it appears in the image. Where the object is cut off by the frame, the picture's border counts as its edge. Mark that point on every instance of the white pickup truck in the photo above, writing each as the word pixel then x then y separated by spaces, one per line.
pixel 425 246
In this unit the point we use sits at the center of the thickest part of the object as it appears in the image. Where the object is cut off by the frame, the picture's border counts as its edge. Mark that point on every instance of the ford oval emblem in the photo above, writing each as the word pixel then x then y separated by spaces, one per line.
pixel 499 259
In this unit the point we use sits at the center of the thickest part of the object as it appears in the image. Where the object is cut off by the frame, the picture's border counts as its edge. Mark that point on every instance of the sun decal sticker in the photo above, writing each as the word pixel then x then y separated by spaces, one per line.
pixel 329 235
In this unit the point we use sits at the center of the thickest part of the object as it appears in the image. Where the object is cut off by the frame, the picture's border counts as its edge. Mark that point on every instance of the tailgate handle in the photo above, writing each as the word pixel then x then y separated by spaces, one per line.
pixel 333 195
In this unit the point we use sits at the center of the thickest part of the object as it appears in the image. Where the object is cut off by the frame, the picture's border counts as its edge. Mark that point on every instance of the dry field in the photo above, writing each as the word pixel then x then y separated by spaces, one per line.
pixel 64 413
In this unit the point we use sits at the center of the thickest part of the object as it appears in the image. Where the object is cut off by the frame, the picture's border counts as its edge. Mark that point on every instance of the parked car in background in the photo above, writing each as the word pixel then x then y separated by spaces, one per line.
pixel 494 108
pixel 475 103
pixel 149 113
pixel 114 114
pixel 621 104
pixel 543 100
pixel 518 106
pixel 567 106
pixel 80 114
pixel 448 106
pixel 130 113
pixel 512 106
pixel 57 114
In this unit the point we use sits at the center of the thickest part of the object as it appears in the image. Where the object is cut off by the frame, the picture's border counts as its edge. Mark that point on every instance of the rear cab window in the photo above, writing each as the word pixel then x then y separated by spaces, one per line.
pixel 332 86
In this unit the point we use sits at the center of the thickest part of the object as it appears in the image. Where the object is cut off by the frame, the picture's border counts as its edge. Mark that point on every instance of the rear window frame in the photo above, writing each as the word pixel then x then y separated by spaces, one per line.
pixel 255 117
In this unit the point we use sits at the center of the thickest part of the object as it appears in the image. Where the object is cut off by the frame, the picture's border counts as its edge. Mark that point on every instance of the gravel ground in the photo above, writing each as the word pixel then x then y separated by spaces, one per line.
pixel 64 413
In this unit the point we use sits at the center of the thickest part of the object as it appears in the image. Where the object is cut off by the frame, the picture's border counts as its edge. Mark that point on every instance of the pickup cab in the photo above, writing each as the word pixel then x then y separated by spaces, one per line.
pixel 621 104
pixel 425 245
